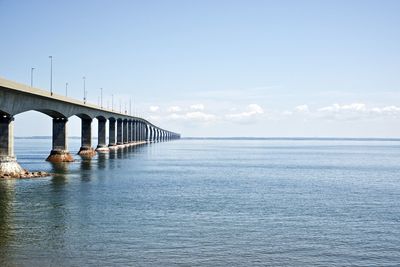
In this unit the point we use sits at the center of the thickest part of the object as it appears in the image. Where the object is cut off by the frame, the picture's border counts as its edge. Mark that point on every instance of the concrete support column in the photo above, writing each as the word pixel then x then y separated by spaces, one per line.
pixel 111 134
pixel 59 152
pixel 144 131
pixel 101 133
pixel 134 129
pixel 8 162
pixel 7 136
pixel 125 124
pixel 151 134
pixel 140 131
pixel 135 138
pixel 120 142
pixel 146 128
pixel 86 139
pixel 129 131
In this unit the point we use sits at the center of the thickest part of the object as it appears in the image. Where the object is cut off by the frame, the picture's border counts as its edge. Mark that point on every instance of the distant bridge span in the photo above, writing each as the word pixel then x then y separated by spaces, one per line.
pixel 124 130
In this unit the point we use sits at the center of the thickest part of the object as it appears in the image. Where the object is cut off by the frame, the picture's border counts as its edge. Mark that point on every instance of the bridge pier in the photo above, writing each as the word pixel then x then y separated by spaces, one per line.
pixel 111 134
pixel 101 135
pixel 142 132
pixel 8 161
pixel 146 128
pixel 151 134
pixel 139 131
pixel 125 134
pixel 120 141
pixel 86 149
pixel 129 132
pixel 59 152
pixel 133 132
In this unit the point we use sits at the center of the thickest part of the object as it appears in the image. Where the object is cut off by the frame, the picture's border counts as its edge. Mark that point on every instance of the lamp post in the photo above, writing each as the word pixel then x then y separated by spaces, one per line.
pixel 101 97
pixel 84 89
pixel 32 76
pixel 51 75
pixel 66 89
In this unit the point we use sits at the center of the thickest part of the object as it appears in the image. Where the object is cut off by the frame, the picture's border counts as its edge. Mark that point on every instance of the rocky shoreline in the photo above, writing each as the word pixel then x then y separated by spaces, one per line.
pixel 24 175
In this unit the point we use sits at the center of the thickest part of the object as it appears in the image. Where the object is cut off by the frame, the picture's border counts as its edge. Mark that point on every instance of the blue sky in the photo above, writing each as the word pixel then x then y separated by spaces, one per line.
pixel 216 68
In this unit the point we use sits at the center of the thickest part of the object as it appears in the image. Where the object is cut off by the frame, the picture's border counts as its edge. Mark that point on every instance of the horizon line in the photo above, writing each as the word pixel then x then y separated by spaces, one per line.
pixel 246 138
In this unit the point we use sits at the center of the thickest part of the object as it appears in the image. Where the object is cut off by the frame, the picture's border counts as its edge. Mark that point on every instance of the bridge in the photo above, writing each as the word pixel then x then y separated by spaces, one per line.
pixel 124 130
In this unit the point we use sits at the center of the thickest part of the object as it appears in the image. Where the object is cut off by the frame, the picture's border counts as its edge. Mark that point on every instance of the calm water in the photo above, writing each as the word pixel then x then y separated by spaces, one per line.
pixel 207 203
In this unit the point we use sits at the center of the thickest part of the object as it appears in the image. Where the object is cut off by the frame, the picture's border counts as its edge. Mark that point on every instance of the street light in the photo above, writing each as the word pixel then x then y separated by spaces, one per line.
pixel 66 89
pixel 32 76
pixel 101 97
pixel 51 75
pixel 84 89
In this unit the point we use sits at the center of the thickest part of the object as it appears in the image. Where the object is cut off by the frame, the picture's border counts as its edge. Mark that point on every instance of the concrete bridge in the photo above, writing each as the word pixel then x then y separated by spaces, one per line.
pixel 124 130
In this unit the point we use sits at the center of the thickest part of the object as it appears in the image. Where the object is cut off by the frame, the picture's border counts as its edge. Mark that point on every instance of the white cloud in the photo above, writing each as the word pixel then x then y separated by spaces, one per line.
pixel 195 116
pixel 349 107
pixel 154 108
pixel 175 116
pixel 173 109
pixel 200 116
pixel 197 107
pixel 287 113
pixel 252 112
pixel 356 111
pixel 389 110
pixel 302 109
pixel 154 118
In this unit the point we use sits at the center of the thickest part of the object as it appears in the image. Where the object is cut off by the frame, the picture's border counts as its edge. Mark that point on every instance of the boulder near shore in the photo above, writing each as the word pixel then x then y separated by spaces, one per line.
pixel 24 175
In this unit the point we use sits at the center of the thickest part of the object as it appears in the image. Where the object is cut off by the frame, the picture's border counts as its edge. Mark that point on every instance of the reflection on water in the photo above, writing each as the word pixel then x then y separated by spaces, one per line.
pixel 102 160
pixel 207 203
pixel 60 167
pixel 7 194
pixel 86 169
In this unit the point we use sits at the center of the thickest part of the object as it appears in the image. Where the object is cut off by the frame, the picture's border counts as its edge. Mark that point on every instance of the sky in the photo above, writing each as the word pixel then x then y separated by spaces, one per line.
pixel 215 68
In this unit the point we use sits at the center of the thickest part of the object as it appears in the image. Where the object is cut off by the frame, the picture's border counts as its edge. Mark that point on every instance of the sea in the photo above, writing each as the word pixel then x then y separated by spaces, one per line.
pixel 207 202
